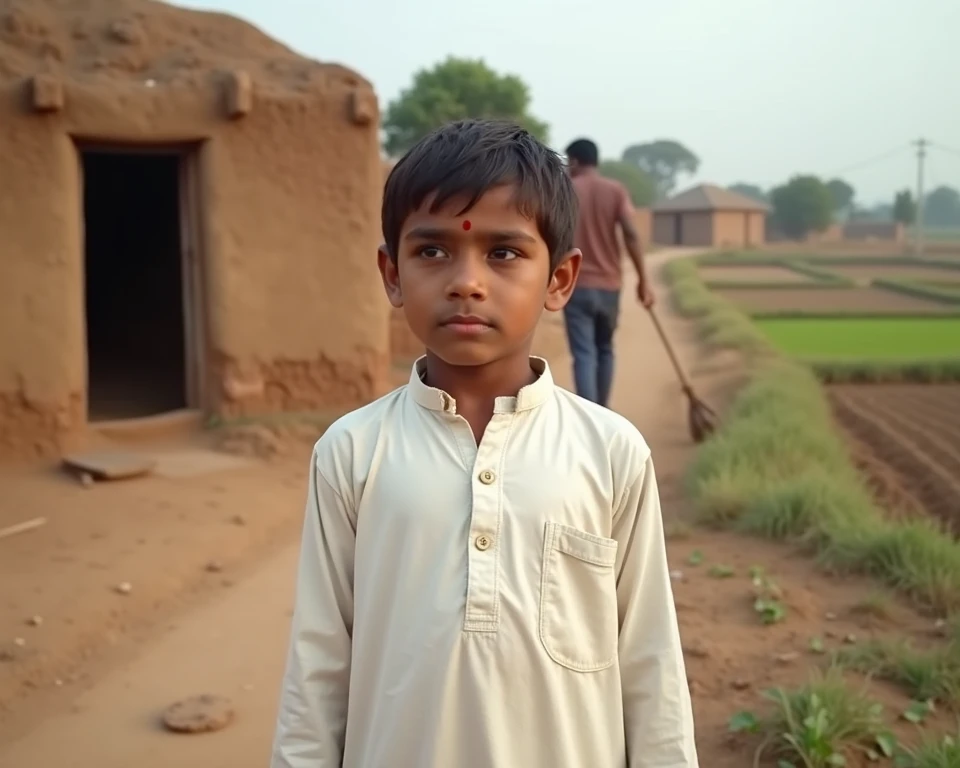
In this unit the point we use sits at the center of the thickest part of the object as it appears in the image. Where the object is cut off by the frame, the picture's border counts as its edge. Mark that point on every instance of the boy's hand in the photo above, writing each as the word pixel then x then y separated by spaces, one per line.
pixel 645 294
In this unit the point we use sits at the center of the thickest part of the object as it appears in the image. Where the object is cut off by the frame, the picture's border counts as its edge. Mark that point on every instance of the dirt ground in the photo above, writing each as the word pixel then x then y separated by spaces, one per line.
pixel 210 561
pixel 853 300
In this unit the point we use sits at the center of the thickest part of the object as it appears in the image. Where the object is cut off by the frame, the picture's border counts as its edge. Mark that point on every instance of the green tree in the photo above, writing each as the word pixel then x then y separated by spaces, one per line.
pixel 664 161
pixel 904 207
pixel 801 206
pixel 453 90
pixel 642 189
pixel 941 208
pixel 749 190
pixel 842 195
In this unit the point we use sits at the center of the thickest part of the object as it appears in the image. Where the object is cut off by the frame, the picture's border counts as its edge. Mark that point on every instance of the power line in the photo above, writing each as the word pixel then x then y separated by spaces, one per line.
pixel 943 148
pixel 872 160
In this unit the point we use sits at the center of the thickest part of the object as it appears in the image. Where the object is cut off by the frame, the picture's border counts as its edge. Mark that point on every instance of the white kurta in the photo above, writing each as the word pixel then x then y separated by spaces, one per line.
pixel 506 605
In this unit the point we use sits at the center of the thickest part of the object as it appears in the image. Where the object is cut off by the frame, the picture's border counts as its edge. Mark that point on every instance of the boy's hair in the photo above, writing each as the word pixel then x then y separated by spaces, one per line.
pixel 467 159
pixel 584 152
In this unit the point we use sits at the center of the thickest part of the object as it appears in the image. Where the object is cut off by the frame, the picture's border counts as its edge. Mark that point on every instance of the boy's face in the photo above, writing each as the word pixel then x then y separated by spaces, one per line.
pixel 473 287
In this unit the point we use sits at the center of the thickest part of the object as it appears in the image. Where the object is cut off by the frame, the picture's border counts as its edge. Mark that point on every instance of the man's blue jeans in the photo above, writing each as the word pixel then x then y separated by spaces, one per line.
pixel 591 319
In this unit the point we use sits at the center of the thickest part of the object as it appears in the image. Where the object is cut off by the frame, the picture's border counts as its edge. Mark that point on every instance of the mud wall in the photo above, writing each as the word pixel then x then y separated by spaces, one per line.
pixel 294 313
pixel 696 228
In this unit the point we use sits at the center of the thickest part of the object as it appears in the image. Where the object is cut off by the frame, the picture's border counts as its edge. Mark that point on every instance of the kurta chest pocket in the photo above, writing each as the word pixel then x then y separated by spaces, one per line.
pixel 578 598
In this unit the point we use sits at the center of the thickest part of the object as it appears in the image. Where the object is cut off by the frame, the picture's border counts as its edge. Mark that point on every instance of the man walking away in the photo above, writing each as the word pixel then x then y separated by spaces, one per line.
pixel 592 312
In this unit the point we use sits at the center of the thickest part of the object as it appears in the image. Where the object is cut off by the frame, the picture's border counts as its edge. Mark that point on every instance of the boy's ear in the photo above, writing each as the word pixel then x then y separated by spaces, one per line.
pixel 563 281
pixel 390 275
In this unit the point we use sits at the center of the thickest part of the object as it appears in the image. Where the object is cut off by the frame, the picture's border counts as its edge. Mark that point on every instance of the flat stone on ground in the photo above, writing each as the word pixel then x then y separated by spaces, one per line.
pixel 199 714
pixel 118 465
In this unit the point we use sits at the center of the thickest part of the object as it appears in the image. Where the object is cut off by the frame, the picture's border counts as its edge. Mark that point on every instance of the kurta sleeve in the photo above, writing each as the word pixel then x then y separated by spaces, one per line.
pixel 658 715
pixel 312 717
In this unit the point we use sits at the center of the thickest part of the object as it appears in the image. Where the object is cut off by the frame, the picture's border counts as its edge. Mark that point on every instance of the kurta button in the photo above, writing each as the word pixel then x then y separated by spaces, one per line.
pixel 487 477
pixel 483 543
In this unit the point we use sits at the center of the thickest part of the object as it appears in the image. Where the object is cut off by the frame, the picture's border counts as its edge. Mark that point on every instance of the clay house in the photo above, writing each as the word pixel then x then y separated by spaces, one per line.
pixel 189 217
pixel 710 216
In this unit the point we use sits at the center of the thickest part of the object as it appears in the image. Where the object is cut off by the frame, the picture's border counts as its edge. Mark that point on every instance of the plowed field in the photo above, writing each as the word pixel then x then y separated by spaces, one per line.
pixel 914 429
pixel 757 273
pixel 851 301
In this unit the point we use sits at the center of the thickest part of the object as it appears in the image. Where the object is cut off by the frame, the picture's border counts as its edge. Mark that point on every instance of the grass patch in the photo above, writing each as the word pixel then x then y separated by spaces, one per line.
pixel 890 338
pixel 875 605
pixel 924 675
pixel 820 725
pixel 941 291
pixel 782 285
pixel 777 468
pixel 943 752
pixel 872 372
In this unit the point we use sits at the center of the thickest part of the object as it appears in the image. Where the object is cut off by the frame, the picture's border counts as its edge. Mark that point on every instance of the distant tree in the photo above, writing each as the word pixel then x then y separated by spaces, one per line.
pixel 642 188
pixel 941 208
pixel 904 207
pixel 801 206
pixel 664 161
pixel 455 89
pixel 749 190
pixel 842 195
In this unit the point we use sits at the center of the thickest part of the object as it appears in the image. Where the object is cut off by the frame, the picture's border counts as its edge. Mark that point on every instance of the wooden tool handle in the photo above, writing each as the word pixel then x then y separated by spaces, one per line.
pixel 669 347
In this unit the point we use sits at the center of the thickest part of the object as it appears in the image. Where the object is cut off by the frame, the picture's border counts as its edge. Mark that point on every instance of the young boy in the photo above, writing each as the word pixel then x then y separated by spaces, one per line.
pixel 483 580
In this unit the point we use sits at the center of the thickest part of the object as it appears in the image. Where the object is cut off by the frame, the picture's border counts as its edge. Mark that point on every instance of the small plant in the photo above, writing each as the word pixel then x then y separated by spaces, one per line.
pixel 918 711
pixel 720 571
pixel 926 675
pixel 876 604
pixel 931 753
pixel 770 611
pixel 817 646
pixel 818 725
pixel 696 557
pixel 677 530
pixel 767 603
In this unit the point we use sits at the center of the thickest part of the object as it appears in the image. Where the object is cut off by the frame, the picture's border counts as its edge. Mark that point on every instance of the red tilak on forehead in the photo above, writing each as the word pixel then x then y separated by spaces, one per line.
pixel 466 225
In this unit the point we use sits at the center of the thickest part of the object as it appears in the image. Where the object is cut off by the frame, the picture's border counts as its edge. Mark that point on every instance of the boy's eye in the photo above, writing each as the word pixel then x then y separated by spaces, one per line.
pixel 432 252
pixel 503 254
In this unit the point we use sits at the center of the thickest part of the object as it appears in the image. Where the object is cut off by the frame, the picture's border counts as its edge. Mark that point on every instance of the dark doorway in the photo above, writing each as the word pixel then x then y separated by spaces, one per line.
pixel 136 341
pixel 678 229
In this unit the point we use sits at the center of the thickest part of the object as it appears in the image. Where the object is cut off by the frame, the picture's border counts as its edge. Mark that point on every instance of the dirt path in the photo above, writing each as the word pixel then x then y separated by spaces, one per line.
pixel 234 644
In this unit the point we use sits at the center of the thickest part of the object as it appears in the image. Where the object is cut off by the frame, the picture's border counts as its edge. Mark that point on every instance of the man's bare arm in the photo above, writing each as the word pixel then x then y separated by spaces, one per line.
pixel 634 247
pixel 631 239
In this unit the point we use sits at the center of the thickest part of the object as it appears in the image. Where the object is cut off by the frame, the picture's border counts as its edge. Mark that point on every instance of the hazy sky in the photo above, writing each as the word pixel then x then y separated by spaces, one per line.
pixel 759 89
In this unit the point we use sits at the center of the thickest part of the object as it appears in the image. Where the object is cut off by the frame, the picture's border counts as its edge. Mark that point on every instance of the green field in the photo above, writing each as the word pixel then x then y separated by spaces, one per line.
pixel 913 338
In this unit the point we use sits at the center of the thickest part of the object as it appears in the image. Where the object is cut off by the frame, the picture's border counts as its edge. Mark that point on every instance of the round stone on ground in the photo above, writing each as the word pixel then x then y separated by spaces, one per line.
pixel 199 714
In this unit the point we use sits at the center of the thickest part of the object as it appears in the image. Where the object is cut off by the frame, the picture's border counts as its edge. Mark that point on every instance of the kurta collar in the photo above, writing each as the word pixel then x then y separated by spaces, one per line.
pixel 529 397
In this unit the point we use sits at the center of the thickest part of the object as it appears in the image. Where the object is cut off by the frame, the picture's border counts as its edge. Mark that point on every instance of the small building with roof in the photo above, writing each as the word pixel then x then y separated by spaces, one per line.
pixel 710 216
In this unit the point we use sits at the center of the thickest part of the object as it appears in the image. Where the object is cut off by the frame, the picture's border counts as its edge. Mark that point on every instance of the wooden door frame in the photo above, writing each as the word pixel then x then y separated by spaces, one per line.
pixel 192 261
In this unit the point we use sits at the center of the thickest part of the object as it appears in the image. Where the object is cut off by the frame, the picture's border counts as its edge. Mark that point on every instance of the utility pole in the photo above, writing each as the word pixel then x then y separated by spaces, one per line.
pixel 921 145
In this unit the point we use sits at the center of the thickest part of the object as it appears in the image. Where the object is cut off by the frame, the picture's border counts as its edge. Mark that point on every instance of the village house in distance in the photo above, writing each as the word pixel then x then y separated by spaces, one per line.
pixel 710 216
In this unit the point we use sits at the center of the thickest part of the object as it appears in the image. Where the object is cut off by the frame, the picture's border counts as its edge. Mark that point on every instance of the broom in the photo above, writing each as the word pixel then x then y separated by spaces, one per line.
pixel 701 419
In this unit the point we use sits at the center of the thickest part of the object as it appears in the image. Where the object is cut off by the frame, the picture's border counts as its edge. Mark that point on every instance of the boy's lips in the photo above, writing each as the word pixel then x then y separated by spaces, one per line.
pixel 467 324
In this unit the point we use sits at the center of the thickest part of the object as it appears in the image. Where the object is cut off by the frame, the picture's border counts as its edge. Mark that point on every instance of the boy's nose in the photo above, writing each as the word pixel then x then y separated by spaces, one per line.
pixel 467 281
